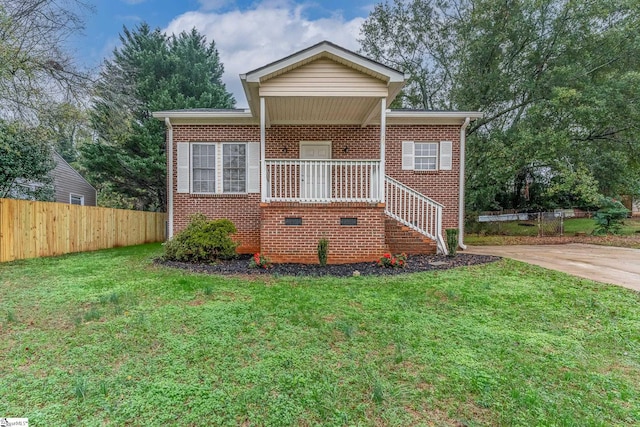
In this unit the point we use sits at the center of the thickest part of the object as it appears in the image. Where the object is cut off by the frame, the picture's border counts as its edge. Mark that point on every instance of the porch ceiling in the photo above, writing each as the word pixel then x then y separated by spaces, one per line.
pixel 322 110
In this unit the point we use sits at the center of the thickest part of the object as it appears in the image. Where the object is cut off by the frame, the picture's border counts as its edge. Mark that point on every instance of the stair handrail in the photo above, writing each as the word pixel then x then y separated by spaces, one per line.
pixel 417 206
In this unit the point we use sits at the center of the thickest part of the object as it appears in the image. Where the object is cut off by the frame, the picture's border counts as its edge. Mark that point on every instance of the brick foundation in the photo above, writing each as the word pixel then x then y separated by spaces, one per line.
pixel 298 243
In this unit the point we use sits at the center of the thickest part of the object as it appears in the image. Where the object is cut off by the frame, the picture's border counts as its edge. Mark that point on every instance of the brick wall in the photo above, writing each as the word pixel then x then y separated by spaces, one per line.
pixel 361 143
pixel 283 142
pixel 243 210
pixel 347 243
pixel 441 186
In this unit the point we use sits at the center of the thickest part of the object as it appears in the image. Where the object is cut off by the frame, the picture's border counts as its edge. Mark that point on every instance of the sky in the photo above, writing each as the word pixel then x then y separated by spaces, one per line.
pixel 248 34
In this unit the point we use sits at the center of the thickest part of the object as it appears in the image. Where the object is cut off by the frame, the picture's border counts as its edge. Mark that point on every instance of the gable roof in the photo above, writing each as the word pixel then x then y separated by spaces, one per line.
pixel 389 79
pixel 322 84
pixel 325 49
pixel 61 162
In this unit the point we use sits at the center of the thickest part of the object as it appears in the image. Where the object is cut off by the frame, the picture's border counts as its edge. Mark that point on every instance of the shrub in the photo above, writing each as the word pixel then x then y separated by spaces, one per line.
pixel 202 241
pixel 323 251
pixel 609 217
pixel 260 261
pixel 393 261
pixel 452 241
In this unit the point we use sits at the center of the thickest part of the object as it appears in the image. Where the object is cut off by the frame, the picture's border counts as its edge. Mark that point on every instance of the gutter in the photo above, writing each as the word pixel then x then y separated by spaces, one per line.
pixel 463 140
pixel 167 122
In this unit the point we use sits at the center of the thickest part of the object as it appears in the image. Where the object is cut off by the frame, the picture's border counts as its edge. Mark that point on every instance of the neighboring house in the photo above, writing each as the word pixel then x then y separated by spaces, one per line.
pixel 69 186
pixel 318 154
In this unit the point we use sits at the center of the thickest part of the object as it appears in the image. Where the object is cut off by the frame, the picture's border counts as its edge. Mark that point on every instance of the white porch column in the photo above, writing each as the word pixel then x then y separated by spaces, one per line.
pixel 263 138
pixel 383 135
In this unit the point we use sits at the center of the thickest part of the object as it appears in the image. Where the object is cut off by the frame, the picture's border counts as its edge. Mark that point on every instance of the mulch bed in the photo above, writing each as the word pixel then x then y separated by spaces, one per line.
pixel 415 263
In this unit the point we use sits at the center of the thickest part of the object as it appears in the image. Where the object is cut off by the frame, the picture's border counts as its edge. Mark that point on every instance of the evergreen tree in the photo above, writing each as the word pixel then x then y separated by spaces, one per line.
pixel 149 72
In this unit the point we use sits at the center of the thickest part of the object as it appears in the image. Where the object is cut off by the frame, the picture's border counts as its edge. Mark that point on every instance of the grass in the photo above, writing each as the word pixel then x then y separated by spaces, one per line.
pixel 523 232
pixel 106 338
pixel 571 226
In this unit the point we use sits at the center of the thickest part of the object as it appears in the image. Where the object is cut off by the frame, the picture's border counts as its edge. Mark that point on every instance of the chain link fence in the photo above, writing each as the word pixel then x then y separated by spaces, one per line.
pixel 550 224
pixel 546 223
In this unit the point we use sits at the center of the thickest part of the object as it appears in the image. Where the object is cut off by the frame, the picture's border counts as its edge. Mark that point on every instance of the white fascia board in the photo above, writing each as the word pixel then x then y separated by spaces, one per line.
pixel 186 114
pixel 394 76
pixel 435 114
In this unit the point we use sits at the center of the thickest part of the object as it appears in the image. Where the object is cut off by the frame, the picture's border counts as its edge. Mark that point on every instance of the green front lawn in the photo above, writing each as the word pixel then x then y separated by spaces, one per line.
pixel 530 228
pixel 106 338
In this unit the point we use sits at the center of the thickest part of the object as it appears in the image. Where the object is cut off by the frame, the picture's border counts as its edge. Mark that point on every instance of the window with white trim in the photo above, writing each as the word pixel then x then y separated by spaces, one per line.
pixel 234 168
pixel 426 156
pixel 76 199
pixel 203 168
pixel 218 168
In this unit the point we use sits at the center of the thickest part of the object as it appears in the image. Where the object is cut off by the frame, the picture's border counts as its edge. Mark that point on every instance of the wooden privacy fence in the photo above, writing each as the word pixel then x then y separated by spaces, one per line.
pixel 35 229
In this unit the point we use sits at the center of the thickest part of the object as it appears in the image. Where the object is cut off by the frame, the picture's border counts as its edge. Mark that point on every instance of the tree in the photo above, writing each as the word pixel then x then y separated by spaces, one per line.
pixel 557 81
pixel 149 72
pixel 25 163
pixel 34 66
pixel 417 37
pixel 66 127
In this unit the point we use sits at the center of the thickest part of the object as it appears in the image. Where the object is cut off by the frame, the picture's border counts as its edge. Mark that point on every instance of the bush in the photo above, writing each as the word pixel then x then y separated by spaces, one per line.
pixel 323 251
pixel 609 217
pixel 202 241
pixel 452 241
pixel 393 261
pixel 260 261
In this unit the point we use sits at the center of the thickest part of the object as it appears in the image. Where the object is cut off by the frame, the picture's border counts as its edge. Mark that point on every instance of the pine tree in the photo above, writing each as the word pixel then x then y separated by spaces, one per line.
pixel 149 72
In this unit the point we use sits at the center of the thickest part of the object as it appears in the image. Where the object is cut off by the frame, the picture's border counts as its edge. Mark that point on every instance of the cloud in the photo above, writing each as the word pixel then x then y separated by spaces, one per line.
pixel 209 5
pixel 248 39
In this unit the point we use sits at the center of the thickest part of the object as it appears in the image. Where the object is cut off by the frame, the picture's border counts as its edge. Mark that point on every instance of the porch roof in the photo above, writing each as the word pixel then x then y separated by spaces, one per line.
pixel 323 84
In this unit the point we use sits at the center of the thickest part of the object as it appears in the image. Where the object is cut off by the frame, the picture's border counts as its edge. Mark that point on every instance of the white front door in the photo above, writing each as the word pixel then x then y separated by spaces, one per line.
pixel 315 177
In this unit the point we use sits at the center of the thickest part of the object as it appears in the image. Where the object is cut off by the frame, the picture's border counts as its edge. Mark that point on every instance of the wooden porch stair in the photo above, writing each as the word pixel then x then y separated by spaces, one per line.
pixel 401 239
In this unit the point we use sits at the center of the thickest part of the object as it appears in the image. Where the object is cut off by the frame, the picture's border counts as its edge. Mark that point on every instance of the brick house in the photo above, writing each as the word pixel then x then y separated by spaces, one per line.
pixel 318 154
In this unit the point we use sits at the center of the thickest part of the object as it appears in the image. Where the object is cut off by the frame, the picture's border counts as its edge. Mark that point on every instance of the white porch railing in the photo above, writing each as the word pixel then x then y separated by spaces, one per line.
pixel 415 211
pixel 292 180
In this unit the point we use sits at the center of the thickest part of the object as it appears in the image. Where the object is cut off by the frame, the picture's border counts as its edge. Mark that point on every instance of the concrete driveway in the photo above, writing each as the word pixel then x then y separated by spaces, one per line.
pixel 619 266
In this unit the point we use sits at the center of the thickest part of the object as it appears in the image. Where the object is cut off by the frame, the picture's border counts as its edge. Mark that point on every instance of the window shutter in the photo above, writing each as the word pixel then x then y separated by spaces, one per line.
pixel 253 167
pixel 182 167
pixel 407 155
pixel 446 155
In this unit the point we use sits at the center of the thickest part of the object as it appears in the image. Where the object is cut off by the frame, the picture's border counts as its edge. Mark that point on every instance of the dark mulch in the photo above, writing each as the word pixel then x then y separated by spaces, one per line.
pixel 415 263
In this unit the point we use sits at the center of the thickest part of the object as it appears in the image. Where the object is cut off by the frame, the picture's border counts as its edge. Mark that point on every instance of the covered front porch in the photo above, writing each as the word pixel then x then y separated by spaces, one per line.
pixel 331 182
pixel 323 181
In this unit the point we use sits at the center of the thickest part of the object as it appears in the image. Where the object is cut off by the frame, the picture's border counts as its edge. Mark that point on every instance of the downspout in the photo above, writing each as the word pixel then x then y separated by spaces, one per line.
pixel 463 139
pixel 167 122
